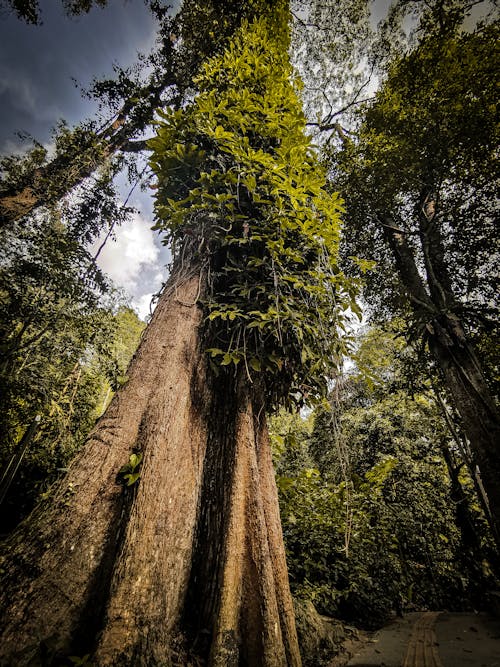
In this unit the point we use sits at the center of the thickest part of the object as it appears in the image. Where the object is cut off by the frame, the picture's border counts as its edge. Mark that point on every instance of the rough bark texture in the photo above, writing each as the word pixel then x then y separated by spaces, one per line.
pixel 245 611
pixel 457 360
pixel 190 559
pixel 469 392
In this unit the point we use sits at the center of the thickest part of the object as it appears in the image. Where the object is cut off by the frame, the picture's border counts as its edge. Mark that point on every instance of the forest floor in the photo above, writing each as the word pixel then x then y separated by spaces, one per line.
pixel 428 639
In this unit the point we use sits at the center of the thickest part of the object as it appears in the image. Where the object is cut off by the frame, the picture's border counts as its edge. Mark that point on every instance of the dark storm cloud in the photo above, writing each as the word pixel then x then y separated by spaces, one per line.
pixel 38 63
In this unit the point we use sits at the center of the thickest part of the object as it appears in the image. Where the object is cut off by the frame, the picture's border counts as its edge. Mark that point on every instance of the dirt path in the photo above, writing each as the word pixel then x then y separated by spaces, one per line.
pixel 422 646
pixel 432 639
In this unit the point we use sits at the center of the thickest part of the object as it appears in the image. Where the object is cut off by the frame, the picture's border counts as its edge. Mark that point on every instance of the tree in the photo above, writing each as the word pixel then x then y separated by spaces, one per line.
pixel 186 558
pixel 332 43
pixel 419 179
pixel 128 102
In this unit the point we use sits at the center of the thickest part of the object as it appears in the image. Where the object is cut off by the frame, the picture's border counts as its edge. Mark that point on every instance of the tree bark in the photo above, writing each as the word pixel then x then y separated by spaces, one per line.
pixel 187 561
pixel 448 344
pixel 246 607
pixel 470 395
pixel 471 543
pixel 464 449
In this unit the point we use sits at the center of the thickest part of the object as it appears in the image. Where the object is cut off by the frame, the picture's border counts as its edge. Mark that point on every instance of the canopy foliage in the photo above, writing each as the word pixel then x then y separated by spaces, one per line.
pixel 371 517
pixel 426 147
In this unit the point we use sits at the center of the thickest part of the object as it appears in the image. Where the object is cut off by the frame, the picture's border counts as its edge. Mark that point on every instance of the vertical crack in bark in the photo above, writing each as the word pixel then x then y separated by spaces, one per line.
pixel 276 545
pixel 244 614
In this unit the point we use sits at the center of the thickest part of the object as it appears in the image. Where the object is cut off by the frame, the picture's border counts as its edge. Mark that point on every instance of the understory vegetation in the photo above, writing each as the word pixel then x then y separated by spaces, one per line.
pixel 65 350
pixel 380 514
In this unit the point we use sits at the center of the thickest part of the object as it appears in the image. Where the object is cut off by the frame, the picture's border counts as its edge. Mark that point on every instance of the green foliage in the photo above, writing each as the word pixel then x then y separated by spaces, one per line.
pixel 207 27
pixel 430 136
pixel 130 473
pixel 289 434
pixel 115 357
pixel 369 521
pixel 339 550
pixel 434 117
pixel 62 350
pixel 239 183
pixel 74 149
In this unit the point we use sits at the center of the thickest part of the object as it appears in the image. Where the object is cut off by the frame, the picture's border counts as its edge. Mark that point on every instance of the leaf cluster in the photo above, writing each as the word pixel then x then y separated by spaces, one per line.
pixel 29 10
pixel 130 473
pixel 432 131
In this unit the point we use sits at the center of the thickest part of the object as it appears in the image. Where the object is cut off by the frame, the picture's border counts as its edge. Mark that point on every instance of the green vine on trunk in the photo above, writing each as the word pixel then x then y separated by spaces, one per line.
pixel 241 192
pixel 129 473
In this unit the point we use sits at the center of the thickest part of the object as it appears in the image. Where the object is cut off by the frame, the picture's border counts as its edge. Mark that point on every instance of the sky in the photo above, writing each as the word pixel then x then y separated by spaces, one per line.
pixel 38 63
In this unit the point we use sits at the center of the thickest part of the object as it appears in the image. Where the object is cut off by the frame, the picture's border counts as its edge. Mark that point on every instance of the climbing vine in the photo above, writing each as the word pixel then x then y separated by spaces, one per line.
pixel 241 193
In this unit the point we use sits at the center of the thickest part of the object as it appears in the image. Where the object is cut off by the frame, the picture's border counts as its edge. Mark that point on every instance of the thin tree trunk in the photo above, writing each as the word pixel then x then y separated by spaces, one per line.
pixel 123 573
pixel 464 449
pixel 470 539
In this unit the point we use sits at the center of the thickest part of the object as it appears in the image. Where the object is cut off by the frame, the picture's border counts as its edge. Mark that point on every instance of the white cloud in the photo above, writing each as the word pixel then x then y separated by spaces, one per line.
pixel 10 147
pixel 130 255
pixel 142 306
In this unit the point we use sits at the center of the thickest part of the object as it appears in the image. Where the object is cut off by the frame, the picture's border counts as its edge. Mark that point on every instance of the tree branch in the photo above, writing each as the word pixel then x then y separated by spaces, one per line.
pixel 326 124
pixel 135 146
pixel 405 262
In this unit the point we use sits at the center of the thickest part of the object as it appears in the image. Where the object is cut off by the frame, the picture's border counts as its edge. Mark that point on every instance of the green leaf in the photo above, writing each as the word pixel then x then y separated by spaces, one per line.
pixel 132 478
pixel 135 460
pixel 214 351
pixel 255 364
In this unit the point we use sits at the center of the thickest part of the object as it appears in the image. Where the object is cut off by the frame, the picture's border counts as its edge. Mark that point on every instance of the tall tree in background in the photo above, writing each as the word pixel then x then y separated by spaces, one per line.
pixel 420 178
pixel 187 558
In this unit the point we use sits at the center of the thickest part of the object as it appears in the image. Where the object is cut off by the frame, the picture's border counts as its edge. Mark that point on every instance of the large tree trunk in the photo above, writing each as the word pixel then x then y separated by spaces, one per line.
pixel 190 559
